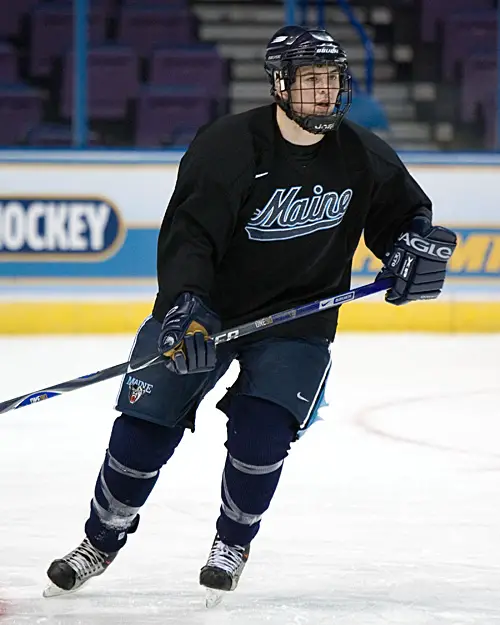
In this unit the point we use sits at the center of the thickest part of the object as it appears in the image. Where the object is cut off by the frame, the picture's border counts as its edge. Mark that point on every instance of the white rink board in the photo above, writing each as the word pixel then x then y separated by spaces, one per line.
pixel 464 188
pixel 136 186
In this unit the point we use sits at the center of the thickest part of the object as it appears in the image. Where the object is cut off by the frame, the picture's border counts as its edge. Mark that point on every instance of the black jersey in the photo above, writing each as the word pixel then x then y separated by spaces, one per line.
pixel 257 225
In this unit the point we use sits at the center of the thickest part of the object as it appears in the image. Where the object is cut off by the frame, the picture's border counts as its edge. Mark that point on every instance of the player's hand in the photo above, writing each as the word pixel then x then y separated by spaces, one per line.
pixel 418 262
pixel 184 338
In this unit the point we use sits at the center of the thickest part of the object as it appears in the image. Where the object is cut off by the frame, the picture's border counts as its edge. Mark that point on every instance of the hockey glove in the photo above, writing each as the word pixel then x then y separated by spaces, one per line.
pixel 183 339
pixel 418 262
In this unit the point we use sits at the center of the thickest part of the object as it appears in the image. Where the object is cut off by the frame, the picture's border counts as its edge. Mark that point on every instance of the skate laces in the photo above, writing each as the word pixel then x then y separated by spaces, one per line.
pixel 225 557
pixel 85 560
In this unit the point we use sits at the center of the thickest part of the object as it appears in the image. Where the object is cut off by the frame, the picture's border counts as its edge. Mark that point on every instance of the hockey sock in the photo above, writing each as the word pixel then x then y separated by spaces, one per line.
pixel 137 450
pixel 259 437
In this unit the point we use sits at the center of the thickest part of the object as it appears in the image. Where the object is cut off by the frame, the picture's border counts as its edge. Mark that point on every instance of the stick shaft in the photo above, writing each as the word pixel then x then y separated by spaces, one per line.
pixel 221 337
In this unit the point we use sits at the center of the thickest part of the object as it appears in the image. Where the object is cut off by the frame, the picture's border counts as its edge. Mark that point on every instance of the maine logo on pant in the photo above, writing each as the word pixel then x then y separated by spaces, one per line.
pixel 287 216
pixel 137 388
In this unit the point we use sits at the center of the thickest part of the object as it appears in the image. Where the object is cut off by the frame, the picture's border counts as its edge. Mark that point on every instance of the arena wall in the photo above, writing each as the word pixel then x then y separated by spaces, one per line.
pixel 78 237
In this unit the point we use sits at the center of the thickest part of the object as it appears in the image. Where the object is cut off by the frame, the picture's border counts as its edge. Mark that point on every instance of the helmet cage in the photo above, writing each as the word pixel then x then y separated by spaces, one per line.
pixel 282 73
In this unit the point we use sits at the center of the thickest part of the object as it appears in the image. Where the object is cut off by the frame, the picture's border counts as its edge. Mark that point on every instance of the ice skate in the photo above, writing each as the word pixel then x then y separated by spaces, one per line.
pixel 223 569
pixel 68 574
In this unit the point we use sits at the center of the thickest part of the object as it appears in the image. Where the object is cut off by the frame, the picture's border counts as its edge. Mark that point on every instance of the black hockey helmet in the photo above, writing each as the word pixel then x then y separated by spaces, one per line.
pixel 292 47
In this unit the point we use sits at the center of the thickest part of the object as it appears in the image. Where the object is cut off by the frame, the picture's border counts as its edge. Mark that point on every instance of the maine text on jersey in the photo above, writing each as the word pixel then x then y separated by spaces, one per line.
pixel 285 216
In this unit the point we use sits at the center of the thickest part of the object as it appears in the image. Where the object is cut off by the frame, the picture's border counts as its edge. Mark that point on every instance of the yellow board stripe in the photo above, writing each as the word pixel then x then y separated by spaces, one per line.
pixel 422 317
pixel 72 317
pixel 125 317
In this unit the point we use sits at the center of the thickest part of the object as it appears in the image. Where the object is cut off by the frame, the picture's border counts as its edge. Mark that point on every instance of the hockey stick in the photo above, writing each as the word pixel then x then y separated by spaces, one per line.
pixel 222 337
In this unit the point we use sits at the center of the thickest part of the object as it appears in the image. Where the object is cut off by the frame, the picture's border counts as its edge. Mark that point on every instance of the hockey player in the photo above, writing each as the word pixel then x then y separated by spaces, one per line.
pixel 267 212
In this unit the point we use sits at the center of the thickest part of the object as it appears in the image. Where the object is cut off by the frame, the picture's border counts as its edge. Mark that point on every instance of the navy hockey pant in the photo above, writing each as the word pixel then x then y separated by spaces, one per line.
pixel 275 398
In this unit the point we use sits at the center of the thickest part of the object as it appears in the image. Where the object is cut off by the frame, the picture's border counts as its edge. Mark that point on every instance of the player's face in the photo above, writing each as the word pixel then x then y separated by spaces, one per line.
pixel 315 90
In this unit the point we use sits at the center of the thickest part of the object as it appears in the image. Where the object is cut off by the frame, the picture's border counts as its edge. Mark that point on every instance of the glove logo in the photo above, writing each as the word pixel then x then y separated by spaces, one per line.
pixel 407 266
pixel 443 252
pixel 395 260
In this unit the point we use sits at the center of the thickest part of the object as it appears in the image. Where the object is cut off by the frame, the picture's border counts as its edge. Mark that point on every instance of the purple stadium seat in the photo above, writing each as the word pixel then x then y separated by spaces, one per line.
pixel 189 66
pixel 145 29
pixel 113 79
pixel 479 83
pixel 488 108
pixel 108 5
pixel 10 15
pixel 467 33
pixel 183 137
pixel 56 135
pixel 161 4
pixel 435 11
pixel 8 64
pixel 52 33
pixel 20 110
pixel 479 93
pixel 165 114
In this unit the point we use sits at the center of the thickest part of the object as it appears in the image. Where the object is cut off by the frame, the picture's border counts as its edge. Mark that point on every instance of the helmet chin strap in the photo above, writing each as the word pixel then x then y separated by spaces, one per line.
pixel 315 124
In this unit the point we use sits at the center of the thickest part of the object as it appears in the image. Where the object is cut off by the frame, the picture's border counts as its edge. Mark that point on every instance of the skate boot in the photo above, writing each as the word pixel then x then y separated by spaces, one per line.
pixel 223 569
pixel 68 574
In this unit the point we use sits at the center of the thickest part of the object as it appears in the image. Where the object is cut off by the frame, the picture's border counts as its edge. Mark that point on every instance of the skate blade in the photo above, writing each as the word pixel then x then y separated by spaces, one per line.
pixel 54 591
pixel 213 597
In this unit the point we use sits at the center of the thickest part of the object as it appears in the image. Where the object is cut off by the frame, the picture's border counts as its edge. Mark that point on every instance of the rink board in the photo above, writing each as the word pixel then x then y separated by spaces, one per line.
pixel 78 234
pixel 63 317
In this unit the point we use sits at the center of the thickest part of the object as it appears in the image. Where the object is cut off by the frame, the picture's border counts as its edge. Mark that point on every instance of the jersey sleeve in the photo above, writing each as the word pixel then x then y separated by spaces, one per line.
pixel 199 222
pixel 396 199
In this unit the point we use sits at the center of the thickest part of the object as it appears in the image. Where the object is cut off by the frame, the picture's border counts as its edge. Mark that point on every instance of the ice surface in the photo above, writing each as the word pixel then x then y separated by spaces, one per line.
pixel 388 511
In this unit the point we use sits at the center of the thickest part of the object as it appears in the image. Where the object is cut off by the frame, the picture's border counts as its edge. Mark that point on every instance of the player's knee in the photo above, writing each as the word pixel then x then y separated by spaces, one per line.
pixel 259 431
pixel 142 445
